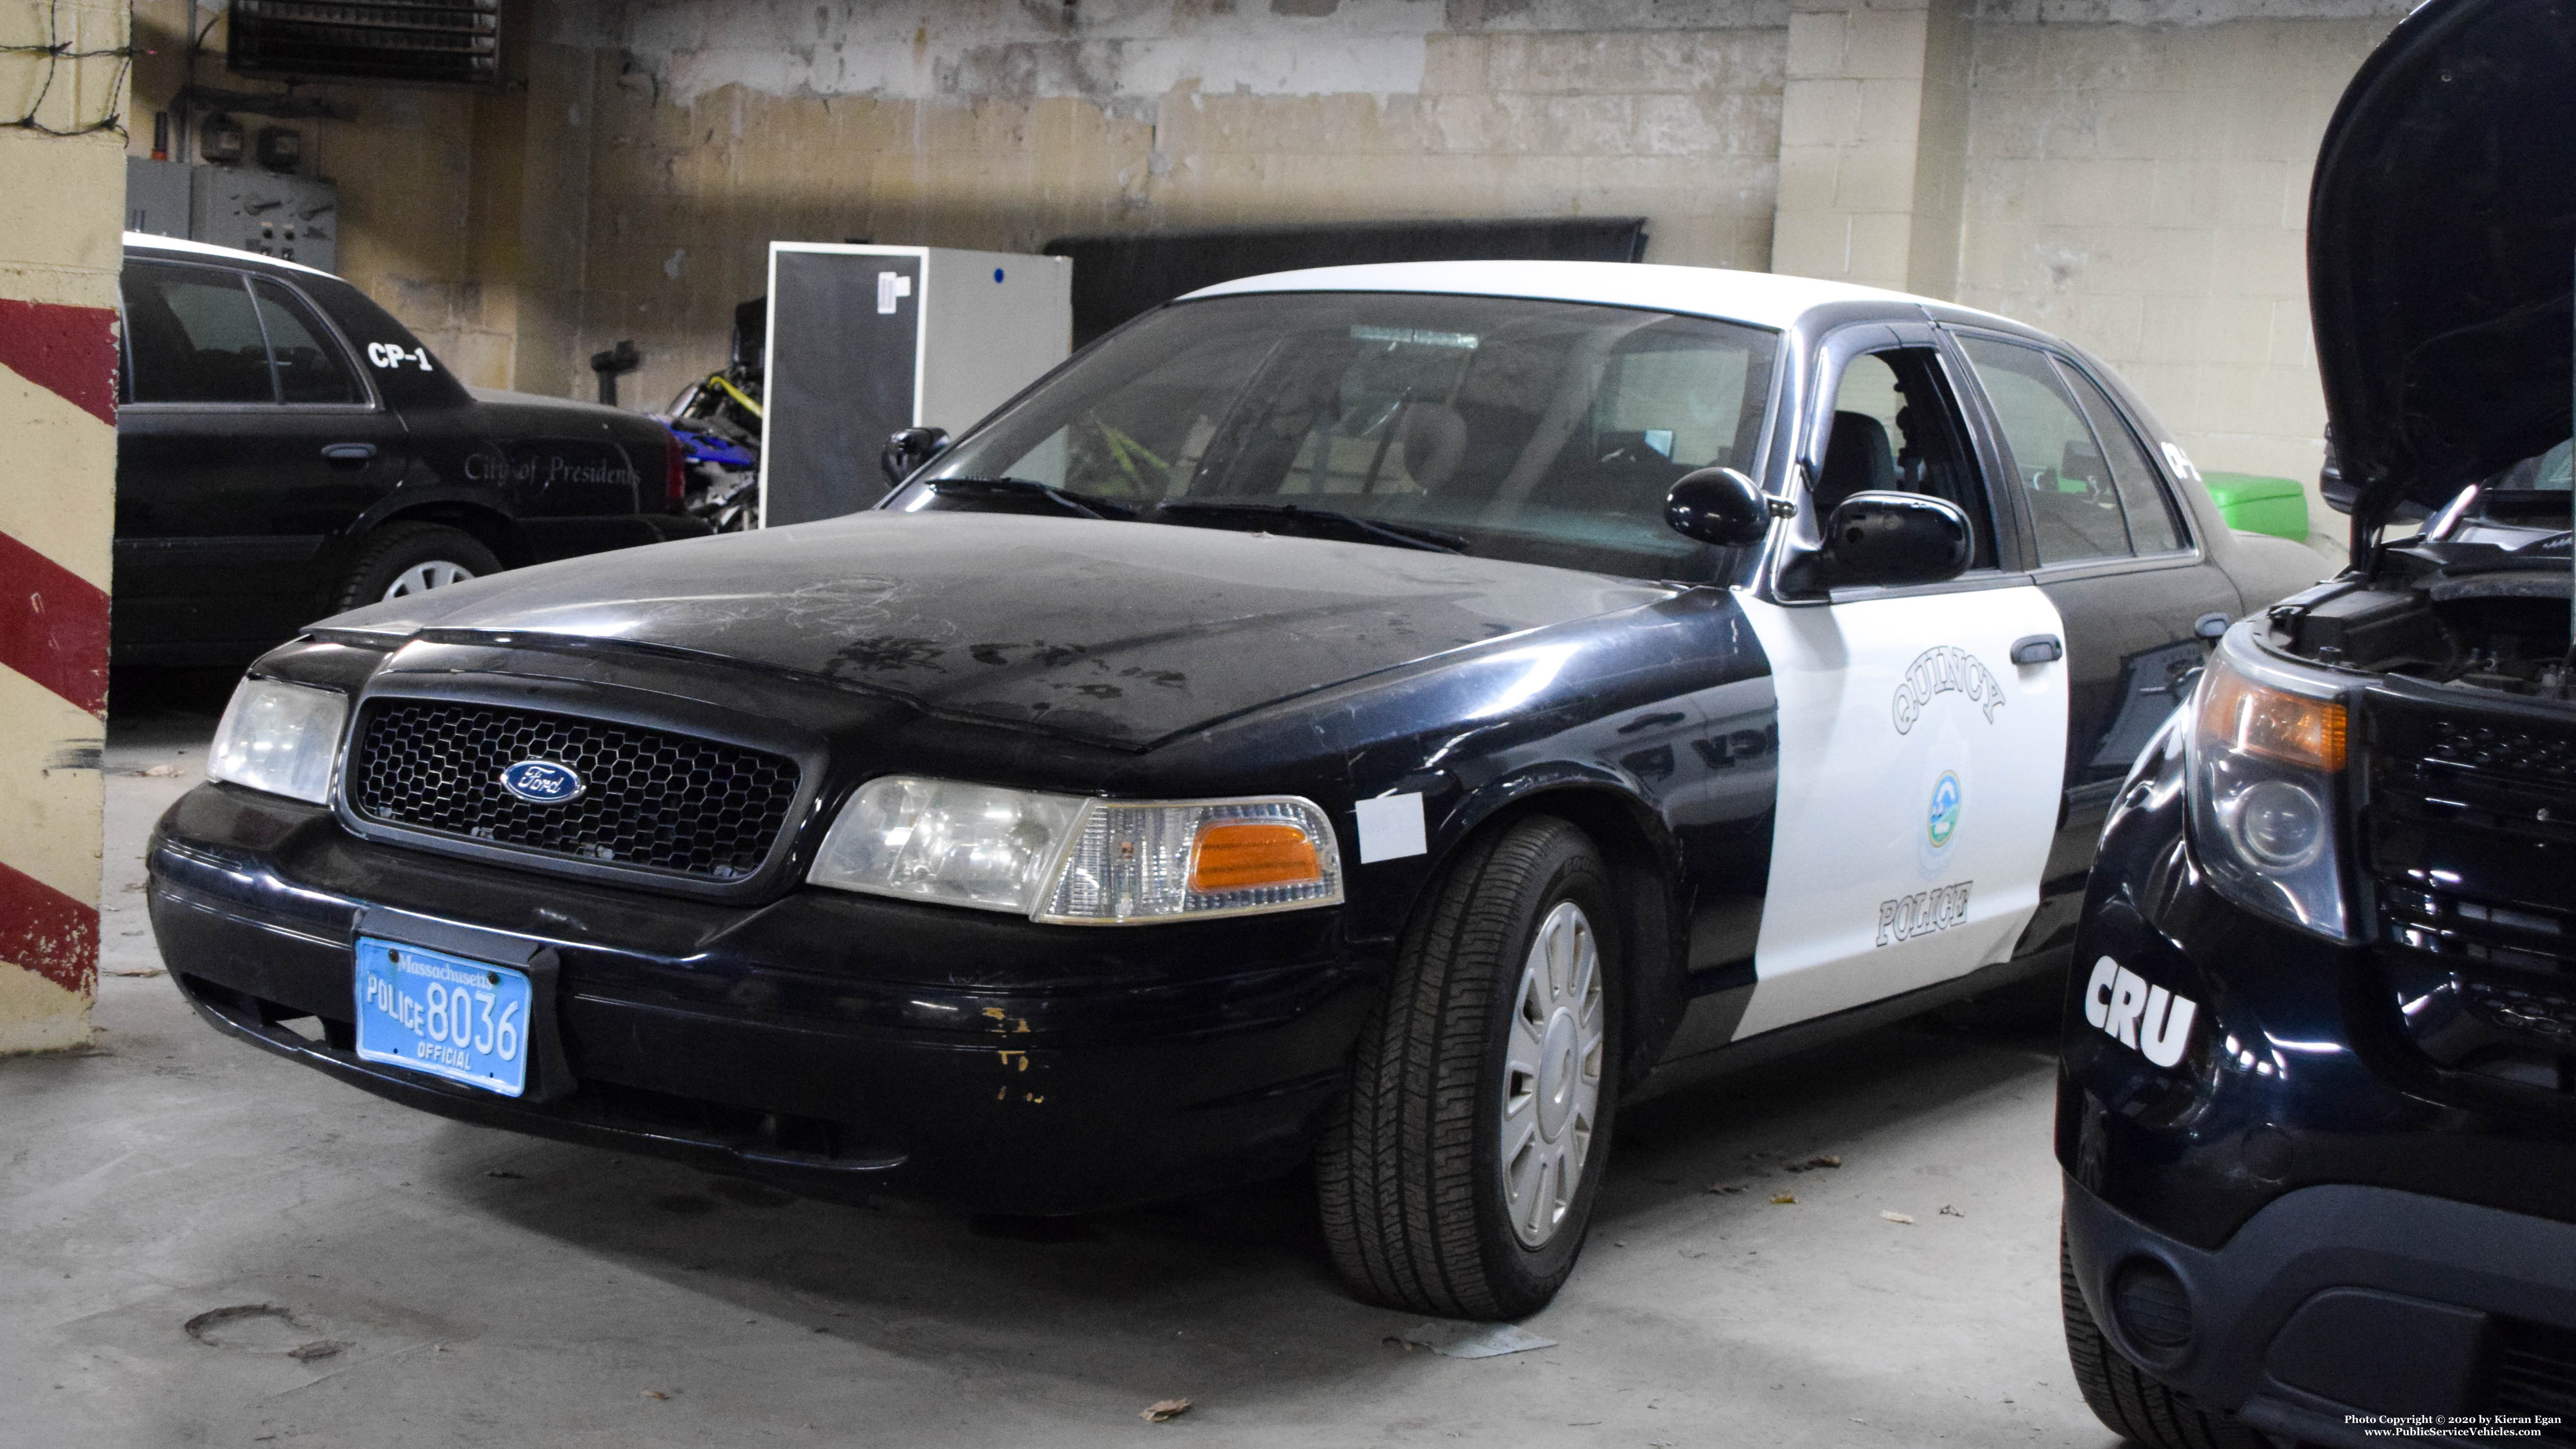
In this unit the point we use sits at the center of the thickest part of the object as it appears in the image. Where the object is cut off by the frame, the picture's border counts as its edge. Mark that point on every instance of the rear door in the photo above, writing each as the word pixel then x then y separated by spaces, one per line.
pixel 1911 833
pixel 2115 555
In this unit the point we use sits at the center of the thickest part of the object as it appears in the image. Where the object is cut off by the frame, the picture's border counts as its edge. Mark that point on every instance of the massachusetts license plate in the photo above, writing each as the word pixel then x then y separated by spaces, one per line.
pixel 463 1020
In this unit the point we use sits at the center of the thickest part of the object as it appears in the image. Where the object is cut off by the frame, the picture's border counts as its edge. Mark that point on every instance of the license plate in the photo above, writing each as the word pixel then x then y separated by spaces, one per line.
pixel 463 1020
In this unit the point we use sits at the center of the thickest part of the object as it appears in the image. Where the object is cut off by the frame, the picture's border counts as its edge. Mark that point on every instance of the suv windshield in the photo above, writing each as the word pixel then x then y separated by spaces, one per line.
pixel 1544 432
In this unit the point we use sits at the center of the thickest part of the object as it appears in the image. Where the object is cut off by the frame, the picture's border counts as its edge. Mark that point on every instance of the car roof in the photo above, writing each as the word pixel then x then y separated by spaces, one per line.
pixel 230 255
pixel 1764 299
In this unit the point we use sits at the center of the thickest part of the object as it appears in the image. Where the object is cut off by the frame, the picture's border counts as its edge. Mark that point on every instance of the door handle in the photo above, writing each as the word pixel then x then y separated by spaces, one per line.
pixel 2037 649
pixel 349 455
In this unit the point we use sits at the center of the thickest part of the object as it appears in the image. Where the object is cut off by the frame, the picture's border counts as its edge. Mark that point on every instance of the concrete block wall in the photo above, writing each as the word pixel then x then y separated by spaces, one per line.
pixel 58 263
pixel 985 126
pixel 2143 191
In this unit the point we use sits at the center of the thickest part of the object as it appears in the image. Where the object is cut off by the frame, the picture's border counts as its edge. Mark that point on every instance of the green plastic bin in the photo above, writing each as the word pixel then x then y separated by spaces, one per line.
pixel 2254 504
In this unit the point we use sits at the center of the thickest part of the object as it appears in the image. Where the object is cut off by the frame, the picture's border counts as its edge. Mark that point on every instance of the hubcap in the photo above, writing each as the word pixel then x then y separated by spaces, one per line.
pixel 420 578
pixel 1552 1074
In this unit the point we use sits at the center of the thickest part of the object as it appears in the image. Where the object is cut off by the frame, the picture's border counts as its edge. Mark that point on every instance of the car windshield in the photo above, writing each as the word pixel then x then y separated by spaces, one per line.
pixel 2533 493
pixel 1543 432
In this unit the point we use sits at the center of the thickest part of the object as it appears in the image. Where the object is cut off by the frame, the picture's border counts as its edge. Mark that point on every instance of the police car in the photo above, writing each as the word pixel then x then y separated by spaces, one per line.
pixel 285 449
pixel 2318 1105
pixel 1381 716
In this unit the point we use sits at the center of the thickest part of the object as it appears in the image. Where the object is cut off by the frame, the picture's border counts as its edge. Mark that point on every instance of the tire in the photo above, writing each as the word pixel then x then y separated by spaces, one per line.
pixel 392 561
pixel 1411 1175
pixel 2130 1402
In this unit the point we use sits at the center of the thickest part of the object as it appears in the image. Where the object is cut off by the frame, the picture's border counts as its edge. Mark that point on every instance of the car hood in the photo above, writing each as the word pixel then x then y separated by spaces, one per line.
pixel 1117 633
pixel 2441 239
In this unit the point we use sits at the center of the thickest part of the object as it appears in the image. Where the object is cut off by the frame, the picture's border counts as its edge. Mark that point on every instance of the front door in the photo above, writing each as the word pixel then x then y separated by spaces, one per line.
pixel 1911 832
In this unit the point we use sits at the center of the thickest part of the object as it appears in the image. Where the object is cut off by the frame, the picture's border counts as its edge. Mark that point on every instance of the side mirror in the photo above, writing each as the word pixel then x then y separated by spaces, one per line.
pixel 1720 506
pixel 1892 539
pixel 908 448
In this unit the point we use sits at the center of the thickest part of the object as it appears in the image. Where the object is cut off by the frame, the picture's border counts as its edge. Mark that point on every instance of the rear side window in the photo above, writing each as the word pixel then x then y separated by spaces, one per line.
pixel 309 367
pixel 2057 461
pixel 193 336
pixel 2149 509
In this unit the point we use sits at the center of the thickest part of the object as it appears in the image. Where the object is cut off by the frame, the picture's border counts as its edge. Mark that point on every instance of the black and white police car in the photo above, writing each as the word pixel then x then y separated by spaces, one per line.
pixel 1378 715
pixel 285 449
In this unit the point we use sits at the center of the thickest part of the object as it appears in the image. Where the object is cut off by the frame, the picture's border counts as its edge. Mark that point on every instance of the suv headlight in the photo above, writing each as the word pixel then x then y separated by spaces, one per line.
pixel 2267 766
pixel 1074 860
pixel 279 737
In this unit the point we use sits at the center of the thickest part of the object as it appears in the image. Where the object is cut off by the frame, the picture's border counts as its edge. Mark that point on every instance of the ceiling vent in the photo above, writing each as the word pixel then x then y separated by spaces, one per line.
pixel 419 42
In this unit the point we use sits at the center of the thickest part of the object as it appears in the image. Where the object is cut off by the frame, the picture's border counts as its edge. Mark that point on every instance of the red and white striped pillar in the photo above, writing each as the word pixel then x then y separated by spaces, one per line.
pixel 59 252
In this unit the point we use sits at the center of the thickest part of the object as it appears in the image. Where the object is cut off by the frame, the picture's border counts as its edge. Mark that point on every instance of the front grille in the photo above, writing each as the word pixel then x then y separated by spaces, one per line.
pixel 2470 833
pixel 653 799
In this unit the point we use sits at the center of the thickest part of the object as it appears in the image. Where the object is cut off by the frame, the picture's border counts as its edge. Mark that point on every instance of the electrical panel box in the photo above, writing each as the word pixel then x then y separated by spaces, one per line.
pixel 864 340
pixel 156 197
pixel 292 218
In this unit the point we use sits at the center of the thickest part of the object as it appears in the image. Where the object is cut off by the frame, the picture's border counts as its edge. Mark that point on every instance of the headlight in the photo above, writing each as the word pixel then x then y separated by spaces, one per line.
pixel 1071 860
pixel 2267 760
pixel 281 738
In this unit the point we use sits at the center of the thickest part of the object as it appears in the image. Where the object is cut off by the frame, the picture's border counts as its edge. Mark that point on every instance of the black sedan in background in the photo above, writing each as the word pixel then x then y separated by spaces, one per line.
pixel 2318 1105
pixel 285 450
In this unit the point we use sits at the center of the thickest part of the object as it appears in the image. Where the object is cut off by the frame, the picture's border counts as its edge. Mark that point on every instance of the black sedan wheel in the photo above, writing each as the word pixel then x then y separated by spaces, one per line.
pixel 402 559
pixel 1458 1175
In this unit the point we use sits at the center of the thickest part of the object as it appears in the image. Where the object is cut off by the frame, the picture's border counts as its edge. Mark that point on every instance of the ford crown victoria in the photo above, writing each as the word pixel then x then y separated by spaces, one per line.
pixel 1379 716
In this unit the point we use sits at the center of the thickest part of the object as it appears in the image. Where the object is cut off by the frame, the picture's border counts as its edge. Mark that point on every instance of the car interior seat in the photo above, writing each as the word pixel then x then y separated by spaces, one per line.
pixel 1434 439
pixel 1858 459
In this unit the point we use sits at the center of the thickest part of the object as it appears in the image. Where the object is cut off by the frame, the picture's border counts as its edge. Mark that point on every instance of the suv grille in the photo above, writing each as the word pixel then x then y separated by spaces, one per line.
pixel 661 801
pixel 2471 818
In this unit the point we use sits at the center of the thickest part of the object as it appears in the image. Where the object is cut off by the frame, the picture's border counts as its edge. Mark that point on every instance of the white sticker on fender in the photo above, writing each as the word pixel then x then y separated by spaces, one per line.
pixel 1920 773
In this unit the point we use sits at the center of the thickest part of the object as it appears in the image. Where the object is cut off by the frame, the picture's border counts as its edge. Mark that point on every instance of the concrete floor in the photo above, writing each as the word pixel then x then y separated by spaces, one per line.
pixel 483 1288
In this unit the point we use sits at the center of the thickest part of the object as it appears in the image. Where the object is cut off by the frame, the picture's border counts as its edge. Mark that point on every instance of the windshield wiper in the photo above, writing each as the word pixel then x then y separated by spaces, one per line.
pixel 1080 505
pixel 1350 526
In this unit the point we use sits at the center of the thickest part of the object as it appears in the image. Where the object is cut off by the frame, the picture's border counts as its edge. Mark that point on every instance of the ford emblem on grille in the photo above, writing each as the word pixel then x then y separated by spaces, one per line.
pixel 541 782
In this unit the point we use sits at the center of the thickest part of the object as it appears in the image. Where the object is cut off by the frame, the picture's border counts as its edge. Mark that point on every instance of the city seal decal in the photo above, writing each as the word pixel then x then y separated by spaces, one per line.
pixel 542 782
pixel 1941 824
pixel 1944 669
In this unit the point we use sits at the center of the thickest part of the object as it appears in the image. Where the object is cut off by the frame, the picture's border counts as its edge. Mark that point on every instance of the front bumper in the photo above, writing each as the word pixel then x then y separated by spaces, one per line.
pixel 2338 1308
pixel 824 1040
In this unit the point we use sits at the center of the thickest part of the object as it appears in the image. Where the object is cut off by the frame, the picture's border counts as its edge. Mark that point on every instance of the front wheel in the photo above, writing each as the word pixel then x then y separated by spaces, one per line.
pixel 2127 1399
pixel 1458 1174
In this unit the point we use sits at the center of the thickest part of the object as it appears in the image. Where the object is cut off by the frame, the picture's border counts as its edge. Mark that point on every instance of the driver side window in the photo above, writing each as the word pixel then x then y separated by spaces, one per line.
pixel 1896 429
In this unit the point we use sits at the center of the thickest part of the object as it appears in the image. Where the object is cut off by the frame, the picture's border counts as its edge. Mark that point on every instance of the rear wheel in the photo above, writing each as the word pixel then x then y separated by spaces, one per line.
pixel 2126 1398
pixel 402 559
pixel 1458 1174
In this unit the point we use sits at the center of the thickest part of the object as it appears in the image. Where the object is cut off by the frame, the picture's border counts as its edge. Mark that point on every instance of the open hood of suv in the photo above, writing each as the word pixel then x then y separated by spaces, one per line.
pixel 2441 243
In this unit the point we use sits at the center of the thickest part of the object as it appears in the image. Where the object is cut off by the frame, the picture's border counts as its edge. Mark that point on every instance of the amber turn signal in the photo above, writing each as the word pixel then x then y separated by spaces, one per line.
pixel 1234 856
pixel 2237 712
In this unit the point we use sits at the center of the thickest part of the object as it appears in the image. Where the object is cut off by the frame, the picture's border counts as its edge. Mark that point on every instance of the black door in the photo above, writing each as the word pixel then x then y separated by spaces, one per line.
pixel 246 440
pixel 2116 558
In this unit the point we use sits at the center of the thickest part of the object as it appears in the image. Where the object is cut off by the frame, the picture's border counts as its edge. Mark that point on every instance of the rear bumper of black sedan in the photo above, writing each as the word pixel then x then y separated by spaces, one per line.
pixel 827 1041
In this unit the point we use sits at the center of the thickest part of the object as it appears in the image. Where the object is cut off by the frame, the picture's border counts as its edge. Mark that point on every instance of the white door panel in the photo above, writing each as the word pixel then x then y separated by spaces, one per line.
pixel 1920 773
